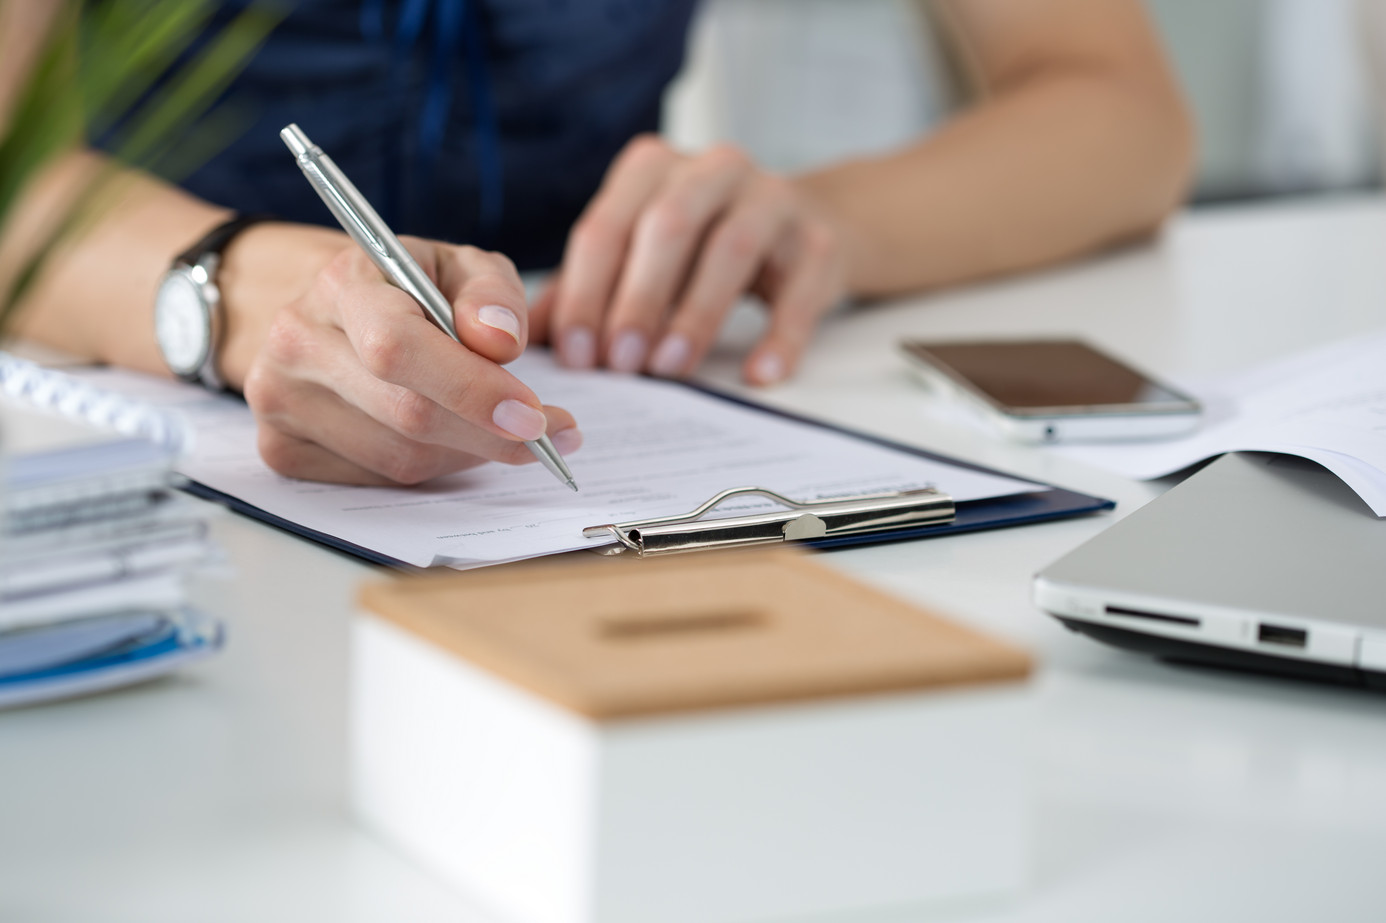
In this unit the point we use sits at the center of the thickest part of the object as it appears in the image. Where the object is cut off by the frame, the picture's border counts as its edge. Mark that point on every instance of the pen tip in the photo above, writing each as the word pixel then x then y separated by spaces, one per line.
pixel 572 484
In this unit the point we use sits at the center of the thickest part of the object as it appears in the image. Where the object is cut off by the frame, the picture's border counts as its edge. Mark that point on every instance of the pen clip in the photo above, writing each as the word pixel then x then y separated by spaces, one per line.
pixel 802 521
pixel 332 197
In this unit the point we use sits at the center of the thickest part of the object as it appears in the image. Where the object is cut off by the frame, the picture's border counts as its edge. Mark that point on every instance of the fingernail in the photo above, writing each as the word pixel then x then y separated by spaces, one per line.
pixel 567 440
pixel 493 315
pixel 520 419
pixel 579 348
pixel 672 355
pixel 769 369
pixel 628 352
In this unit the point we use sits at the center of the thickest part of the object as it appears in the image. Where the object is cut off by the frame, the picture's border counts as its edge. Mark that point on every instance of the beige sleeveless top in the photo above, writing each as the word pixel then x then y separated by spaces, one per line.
pixel 799 83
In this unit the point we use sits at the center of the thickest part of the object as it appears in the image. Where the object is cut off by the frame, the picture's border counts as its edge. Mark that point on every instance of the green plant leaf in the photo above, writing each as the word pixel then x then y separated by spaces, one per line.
pixel 194 87
pixel 47 114
pixel 118 66
pixel 127 47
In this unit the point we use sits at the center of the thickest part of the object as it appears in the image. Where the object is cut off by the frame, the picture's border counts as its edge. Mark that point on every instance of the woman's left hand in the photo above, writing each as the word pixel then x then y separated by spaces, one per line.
pixel 668 245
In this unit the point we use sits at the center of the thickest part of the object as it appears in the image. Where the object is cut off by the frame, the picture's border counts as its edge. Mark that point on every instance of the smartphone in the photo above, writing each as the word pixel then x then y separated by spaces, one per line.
pixel 1055 390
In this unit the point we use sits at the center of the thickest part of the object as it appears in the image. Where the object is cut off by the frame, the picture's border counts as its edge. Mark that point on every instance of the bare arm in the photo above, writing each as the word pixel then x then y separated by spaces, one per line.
pixel 1080 139
pixel 349 382
pixel 97 300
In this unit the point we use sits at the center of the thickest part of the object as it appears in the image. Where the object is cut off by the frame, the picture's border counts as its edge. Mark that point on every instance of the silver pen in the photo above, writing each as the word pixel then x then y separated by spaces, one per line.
pixel 375 237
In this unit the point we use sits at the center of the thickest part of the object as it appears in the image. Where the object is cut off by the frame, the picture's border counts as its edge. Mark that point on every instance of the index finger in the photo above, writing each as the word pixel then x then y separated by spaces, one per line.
pixel 396 343
pixel 489 305
pixel 490 310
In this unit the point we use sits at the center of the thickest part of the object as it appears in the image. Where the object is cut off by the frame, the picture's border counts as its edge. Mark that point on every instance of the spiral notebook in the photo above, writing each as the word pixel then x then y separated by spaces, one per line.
pixel 653 448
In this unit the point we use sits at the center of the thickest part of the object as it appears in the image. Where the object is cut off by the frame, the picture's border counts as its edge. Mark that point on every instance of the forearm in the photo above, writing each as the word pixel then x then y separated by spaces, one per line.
pixel 1065 162
pixel 95 297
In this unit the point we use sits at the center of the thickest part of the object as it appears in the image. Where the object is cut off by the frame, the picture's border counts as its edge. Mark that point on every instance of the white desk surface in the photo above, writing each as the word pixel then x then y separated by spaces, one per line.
pixel 1161 793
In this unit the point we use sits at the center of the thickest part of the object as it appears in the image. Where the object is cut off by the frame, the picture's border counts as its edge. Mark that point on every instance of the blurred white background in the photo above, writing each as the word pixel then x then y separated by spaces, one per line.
pixel 1287 93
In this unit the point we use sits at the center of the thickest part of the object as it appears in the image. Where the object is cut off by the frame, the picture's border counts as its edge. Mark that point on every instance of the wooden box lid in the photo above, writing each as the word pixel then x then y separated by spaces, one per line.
pixel 620 638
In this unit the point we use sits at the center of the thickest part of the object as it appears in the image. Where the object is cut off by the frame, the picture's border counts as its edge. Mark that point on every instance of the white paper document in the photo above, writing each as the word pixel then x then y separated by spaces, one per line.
pixel 651 448
pixel 1327 405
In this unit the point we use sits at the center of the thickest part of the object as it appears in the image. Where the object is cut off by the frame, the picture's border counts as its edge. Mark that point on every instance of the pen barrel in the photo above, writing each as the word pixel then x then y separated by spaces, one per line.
pixel 368 229
pixel 409 276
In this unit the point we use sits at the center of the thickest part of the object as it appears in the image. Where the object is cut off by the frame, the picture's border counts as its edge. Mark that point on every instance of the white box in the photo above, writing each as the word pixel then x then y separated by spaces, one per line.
pixel 723 755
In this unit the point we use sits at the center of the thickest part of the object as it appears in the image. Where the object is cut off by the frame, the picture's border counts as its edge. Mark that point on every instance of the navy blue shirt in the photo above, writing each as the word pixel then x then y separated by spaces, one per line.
pixel 476 121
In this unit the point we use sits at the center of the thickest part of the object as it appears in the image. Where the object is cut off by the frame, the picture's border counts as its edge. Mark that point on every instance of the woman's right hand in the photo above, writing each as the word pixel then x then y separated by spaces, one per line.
pixel 351 383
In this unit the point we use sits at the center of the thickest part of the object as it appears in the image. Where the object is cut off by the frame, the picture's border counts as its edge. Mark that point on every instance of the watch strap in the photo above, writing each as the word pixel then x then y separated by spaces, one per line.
pixel 218 238
pixel 214 242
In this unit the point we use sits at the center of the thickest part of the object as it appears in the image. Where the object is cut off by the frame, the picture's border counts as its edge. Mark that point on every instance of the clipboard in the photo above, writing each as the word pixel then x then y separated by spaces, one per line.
pixel 1037 506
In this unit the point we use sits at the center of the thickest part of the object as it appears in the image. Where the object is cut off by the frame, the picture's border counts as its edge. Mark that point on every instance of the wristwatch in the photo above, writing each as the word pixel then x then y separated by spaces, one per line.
pixel 188 315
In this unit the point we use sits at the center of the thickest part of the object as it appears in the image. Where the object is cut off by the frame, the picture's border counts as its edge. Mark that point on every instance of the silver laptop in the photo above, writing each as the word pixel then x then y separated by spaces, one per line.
pixel 1257 561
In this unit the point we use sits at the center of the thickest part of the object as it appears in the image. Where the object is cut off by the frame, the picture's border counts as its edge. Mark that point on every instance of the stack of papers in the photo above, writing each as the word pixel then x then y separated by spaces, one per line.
pixel 95 546
pixel 1327 405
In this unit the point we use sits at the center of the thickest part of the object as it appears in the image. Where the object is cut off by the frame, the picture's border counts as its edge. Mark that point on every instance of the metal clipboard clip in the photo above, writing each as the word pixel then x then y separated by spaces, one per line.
pixel 800 522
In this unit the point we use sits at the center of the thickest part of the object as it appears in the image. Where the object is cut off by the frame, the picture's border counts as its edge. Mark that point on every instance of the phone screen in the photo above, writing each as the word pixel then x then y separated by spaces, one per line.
pixel 1034 374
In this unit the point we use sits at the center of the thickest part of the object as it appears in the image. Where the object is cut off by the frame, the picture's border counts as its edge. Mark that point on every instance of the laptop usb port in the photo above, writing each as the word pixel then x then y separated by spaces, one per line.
pixel 1279 634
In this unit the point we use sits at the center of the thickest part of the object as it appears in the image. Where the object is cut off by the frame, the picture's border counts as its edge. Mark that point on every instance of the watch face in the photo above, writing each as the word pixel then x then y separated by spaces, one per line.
pixel 182 324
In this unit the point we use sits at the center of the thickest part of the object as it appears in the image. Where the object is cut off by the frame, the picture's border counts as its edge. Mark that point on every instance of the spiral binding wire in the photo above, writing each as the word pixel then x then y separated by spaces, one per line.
pixel 66 396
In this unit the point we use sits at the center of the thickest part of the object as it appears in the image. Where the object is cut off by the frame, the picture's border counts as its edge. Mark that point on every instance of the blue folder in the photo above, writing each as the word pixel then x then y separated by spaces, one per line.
pixel 90 655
